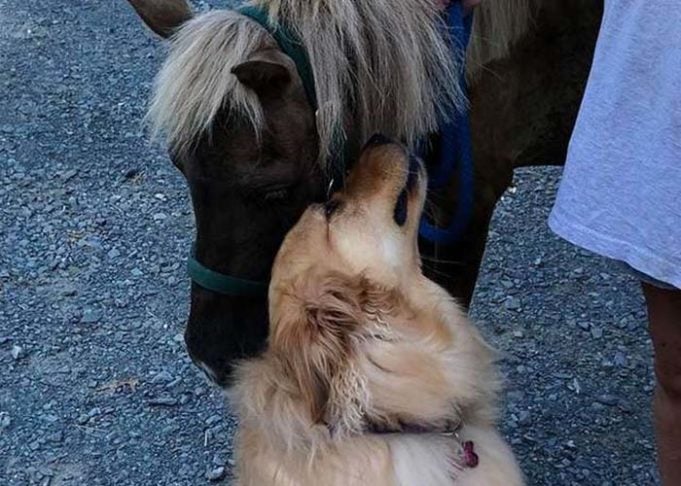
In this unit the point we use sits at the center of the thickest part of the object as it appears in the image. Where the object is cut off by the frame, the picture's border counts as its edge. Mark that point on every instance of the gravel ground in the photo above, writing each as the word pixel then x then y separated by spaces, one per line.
pixel 95 385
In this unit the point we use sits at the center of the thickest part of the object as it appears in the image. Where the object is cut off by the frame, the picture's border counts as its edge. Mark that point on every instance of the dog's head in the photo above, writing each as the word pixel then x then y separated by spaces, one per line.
pixel 369 227
pixel 361 334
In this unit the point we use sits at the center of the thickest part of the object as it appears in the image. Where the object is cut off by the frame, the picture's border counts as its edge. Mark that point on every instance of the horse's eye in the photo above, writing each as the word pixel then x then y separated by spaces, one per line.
pixel 276 194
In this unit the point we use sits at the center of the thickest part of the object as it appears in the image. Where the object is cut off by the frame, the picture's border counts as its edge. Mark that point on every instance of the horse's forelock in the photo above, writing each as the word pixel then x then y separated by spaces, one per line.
pixel 195 82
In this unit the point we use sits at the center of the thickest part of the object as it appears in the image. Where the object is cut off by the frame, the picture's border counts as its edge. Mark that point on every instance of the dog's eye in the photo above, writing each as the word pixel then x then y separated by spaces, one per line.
pixel 400 215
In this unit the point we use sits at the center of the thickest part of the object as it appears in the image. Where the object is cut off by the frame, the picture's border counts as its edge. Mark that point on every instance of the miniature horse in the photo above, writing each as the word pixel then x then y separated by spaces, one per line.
pixel 242 126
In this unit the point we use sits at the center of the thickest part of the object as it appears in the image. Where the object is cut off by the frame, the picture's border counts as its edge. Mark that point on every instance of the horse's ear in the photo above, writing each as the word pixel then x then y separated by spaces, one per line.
pixel 267 73
pixel 163 16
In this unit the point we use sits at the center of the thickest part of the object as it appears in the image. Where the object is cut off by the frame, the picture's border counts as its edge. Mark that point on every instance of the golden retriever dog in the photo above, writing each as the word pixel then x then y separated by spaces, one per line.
pixel 373 375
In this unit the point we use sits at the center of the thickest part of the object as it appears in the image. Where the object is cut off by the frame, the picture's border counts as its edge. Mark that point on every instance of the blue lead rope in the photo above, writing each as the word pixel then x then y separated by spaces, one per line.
pixel 456 150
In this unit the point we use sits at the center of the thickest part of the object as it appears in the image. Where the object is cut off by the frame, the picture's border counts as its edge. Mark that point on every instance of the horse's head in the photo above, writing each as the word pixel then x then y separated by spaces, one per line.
pixel 242 132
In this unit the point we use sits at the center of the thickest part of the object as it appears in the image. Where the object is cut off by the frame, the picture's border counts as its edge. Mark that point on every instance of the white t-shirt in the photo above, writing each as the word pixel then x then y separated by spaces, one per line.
pixel 620 195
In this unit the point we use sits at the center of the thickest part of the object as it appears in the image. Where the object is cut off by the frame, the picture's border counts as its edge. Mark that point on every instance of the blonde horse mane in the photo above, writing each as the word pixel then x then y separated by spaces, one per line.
pixel 195 81
pixel 379 65
pixel 497 25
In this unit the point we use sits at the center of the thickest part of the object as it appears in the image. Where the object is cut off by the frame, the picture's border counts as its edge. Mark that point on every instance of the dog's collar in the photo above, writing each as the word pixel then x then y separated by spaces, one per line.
pixel 450 428
pixel 469 458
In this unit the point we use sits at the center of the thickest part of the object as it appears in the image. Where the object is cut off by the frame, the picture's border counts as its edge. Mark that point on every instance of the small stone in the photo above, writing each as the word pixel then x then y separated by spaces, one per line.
pixel 113 253
pixel 597 407
pixel 56 437
pixel 620 359
pixel 173 383
pixel 216 474
pixel 625 407
pixel 584 325
pixel 17 352
pixel 90 316
pixel 524 417
pixel 68 291
pixel 121 303
pixel 596 332
pixel 518 334
pixel 163 402
pixel 159 216
pixel 512 303
pixel 137 272
pixel 162 377
pixel 5 420
pixel 607 399
pixel 219 459
pixel 83 419
pixel 213 419
pixel 70 174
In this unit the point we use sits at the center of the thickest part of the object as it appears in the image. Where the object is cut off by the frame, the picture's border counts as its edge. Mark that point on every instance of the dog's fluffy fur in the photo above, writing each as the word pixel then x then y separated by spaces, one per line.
pixel 361 341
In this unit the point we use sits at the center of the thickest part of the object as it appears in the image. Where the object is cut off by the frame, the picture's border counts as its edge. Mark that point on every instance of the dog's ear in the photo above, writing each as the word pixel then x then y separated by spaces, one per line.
pixel 324 316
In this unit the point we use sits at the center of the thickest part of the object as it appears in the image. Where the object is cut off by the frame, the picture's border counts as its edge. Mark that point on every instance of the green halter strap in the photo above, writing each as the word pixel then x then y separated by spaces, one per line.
pixel 290 44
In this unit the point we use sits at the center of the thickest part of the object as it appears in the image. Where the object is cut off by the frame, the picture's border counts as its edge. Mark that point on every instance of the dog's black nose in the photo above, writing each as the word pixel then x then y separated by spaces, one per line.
pixel 378 139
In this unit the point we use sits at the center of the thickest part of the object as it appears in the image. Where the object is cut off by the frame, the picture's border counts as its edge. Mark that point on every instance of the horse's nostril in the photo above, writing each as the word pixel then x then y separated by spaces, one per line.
pixel 331 207
pixel 379 139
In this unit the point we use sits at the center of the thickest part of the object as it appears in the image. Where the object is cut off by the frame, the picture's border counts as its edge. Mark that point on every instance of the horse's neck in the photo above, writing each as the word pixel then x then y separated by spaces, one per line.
pixel 526 102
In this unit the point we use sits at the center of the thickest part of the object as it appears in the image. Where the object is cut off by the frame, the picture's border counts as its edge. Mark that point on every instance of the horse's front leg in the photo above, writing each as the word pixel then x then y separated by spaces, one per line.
pixel 456 266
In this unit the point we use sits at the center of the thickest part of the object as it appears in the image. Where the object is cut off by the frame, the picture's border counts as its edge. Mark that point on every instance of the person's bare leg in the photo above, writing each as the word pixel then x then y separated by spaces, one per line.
pixel 664 317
